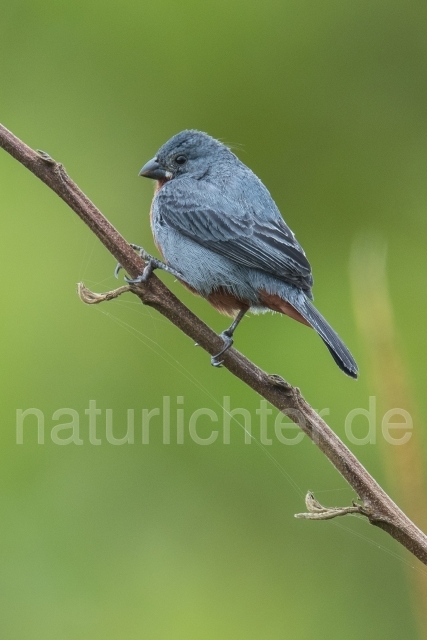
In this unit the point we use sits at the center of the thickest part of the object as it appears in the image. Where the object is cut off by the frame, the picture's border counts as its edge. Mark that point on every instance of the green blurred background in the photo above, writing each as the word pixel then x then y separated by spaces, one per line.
pixel 327 103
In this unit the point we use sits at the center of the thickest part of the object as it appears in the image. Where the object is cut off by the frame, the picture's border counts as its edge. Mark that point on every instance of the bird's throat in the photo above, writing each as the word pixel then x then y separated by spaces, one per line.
pixel 160 183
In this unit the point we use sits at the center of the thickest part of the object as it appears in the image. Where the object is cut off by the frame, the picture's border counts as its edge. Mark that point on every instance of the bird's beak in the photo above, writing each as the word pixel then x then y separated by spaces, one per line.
pixel 153 170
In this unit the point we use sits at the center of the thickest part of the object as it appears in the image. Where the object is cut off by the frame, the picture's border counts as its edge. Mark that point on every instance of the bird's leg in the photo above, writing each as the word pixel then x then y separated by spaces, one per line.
pixel 152 263
pixel 227 336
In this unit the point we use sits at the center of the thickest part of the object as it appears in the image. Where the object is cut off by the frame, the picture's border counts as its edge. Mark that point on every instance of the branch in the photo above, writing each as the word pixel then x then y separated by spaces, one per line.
pixel 317 512
pixel 377 506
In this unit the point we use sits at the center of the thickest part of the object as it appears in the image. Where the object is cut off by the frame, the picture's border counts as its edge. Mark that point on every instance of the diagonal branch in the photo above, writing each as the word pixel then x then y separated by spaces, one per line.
pixel 377 506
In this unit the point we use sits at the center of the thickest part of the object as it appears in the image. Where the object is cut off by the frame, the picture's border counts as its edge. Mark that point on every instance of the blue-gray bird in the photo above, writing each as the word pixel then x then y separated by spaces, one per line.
pixel 221 234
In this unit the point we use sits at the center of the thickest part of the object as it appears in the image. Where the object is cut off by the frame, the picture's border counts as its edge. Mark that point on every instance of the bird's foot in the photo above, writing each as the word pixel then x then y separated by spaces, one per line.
pixel 141 252
pixel 228 341
pixel 145 275
pixel 152 263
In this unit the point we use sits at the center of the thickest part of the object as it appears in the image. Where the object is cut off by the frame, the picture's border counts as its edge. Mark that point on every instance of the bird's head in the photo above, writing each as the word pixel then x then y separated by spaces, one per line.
pixel 191 153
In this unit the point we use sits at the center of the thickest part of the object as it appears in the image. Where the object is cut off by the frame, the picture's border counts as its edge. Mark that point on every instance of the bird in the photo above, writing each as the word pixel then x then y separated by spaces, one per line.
pixel 220 233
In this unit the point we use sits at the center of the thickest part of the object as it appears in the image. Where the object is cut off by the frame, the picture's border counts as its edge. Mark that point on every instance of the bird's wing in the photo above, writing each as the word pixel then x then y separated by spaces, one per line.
pixel 233 229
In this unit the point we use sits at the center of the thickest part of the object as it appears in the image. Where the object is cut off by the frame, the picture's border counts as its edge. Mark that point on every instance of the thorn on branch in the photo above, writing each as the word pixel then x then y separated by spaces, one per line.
pixel 56 167
pixel 318 512
pixel 90 297
pixel 278 381
pixel 46 157
pixel 288 389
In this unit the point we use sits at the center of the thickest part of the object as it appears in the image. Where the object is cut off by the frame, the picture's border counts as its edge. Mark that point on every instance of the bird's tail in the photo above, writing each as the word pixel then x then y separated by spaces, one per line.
pixel 336 346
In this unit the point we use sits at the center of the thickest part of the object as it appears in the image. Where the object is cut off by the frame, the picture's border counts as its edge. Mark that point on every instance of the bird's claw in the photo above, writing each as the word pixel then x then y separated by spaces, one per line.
pixel 141 251
pixel 228 341
pixel 144 255
pixel 151 264
pixel 144 276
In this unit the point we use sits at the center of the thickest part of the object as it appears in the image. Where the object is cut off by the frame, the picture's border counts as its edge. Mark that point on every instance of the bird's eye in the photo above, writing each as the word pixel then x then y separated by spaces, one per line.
pixel 180 159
